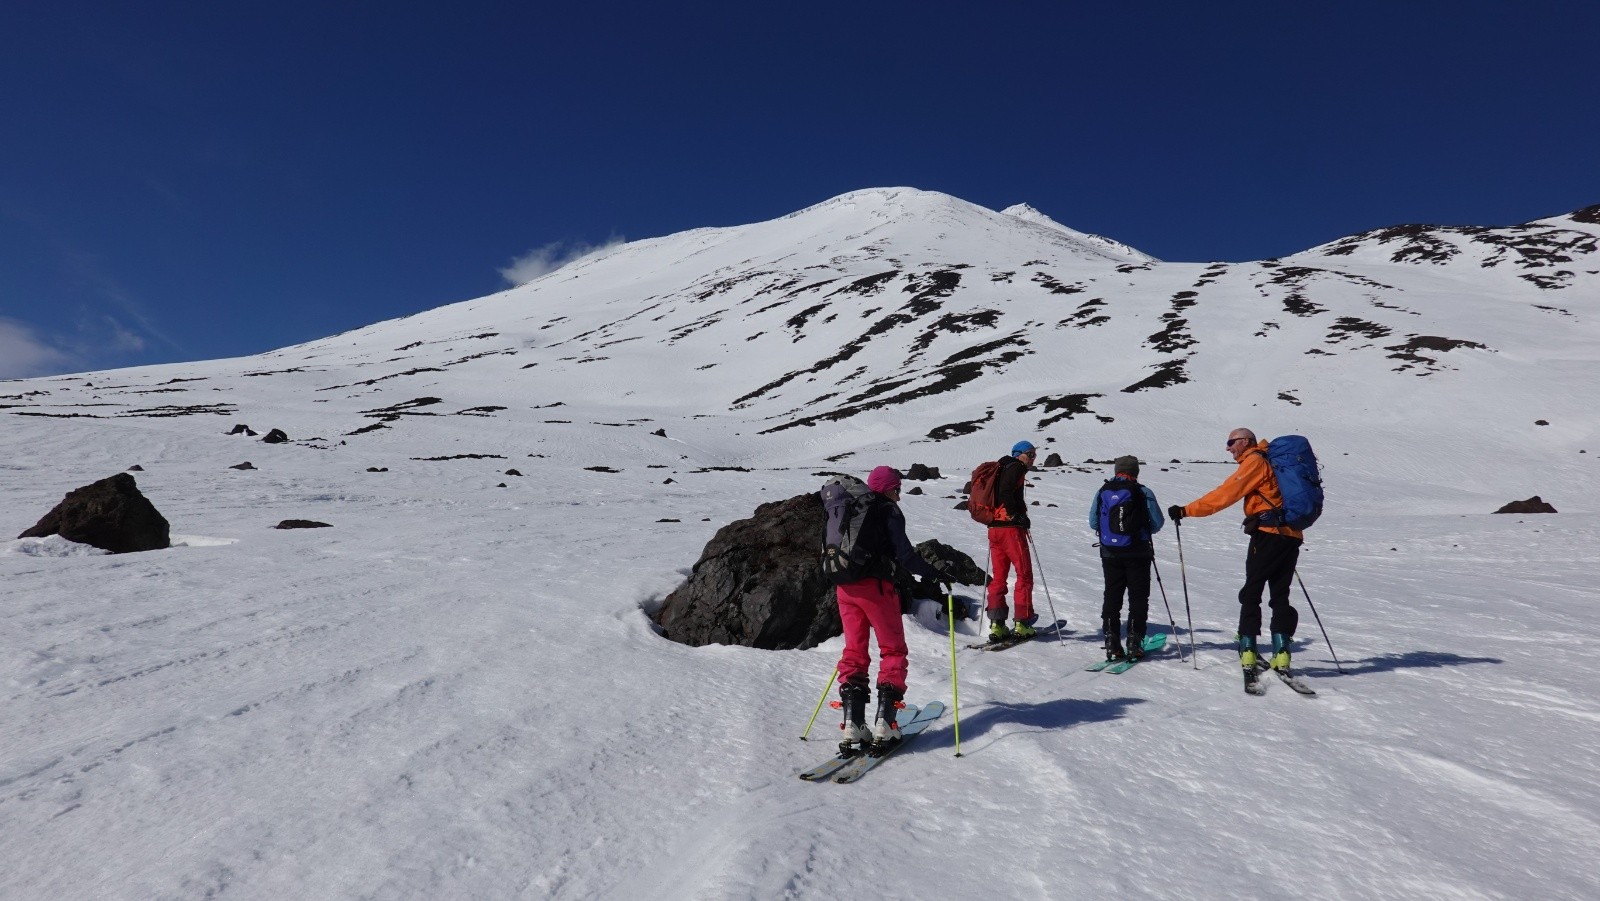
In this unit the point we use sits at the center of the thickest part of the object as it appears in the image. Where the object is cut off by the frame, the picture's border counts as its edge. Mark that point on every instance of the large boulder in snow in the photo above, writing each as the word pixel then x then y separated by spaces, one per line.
pixel 1533 504
pixel 758 582
pixel 109 514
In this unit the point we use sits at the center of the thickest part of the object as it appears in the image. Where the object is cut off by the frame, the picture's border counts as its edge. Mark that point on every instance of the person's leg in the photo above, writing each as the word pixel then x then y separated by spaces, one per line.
pixel 999 573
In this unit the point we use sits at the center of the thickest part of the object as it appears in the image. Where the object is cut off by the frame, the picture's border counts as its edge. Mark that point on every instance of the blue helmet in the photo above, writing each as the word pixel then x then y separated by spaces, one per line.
pixel 1021 447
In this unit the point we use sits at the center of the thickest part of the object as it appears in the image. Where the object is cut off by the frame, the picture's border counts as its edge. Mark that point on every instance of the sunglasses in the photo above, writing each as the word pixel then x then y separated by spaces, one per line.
pixel 1233 441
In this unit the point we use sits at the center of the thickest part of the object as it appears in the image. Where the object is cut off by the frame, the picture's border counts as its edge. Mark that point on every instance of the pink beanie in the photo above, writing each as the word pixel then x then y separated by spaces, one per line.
pixel 884 479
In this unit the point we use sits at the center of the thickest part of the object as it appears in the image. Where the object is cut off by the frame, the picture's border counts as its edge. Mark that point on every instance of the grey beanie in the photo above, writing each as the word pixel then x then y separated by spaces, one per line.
pixel 1129 465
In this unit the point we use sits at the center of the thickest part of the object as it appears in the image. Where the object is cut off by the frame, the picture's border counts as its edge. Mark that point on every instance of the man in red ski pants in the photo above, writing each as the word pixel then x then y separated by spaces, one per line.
pixel 1008 546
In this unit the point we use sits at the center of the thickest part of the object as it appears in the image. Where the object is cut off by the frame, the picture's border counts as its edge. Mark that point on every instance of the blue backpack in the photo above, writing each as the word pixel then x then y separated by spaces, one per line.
pixel 1123 519
pixel 1299 477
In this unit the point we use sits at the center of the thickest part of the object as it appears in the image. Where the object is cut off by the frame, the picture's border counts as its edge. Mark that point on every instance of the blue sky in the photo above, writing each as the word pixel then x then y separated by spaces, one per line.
pixel 186 181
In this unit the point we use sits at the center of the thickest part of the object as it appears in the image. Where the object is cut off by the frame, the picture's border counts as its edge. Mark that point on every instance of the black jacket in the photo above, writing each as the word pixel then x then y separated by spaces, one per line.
pixel 1008 494
pixel 884 533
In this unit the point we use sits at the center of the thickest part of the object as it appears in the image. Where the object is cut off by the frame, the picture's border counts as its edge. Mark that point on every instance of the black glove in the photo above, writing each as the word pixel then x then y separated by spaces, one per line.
pixel 946 577
pixel 1176 512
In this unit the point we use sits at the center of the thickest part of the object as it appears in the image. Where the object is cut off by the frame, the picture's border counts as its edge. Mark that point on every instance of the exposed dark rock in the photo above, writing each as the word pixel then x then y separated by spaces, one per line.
pixel 947 558
pixel 109 514
pixel 660 433
pixel 915 489
pixel 242 429
pixel 1533 504
pixel 302 524
pixel 377 469
pixel 601 469
pixel 1541 422
pixel 1054 460
pixel 136 468
pixel 758 584
pixel 920 473
pixel 512 472
pixel 245 465
pixel 669 520
pixel 276 436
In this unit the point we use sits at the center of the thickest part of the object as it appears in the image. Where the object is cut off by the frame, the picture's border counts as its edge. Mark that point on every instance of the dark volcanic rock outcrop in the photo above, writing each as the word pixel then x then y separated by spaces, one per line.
pixel 302 524
pixel 276 436
pixel 1533 504
pixel 758 583
pixel 109 514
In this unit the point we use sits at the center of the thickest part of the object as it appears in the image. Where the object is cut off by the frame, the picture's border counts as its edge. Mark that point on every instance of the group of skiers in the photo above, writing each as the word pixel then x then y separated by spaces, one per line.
pixel 1123 512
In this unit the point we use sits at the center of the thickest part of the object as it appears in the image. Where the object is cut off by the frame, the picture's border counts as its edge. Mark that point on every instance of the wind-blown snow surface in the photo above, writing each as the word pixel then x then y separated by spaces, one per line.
pixel 456 692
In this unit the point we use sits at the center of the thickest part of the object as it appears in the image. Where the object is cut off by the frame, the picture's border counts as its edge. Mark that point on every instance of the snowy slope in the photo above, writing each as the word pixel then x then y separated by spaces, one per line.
pixel 455 692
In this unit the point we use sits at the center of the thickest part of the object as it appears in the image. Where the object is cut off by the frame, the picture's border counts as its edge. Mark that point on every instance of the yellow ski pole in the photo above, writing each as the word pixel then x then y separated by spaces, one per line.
pixel 828 688
pixel 955 691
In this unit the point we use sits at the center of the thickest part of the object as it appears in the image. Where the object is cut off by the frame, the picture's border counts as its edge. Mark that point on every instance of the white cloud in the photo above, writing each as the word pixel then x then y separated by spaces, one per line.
pixel 547 259
pixel 23 354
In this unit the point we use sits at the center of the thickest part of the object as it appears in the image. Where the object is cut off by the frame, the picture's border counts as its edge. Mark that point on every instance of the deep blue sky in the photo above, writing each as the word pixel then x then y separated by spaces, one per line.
pixel 196 180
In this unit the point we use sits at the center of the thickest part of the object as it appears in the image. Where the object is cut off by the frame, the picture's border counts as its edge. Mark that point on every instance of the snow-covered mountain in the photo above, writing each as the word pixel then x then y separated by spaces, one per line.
pixel 455 691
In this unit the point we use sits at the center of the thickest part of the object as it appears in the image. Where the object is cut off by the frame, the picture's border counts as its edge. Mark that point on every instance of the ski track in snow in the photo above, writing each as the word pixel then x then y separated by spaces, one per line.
pixel 455 691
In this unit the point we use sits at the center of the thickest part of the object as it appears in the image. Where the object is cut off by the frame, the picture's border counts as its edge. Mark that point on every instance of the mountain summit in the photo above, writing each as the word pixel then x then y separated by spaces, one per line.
pixel 891 316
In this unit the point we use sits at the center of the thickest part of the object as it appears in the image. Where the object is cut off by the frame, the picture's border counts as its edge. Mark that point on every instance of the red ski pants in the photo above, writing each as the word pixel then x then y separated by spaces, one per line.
pixel 1008 547
pixel 872 604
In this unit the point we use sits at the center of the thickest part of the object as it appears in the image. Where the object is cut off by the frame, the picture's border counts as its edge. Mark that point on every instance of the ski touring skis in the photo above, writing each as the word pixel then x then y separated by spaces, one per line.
pixel 1296 683
pixel 826 768
pixel 849 769
pixel 859 767
pixel 1046 632
pixel 1152 643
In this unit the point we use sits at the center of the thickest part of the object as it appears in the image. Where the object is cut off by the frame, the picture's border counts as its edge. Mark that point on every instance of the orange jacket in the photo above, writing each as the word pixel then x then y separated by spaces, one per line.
pixel 1253 483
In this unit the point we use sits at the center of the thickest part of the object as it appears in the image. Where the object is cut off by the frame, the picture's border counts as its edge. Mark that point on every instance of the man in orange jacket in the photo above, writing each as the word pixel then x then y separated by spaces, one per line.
pixel 1274 550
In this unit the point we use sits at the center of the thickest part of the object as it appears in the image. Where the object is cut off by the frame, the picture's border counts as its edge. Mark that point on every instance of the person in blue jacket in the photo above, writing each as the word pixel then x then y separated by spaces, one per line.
pixel 1125 514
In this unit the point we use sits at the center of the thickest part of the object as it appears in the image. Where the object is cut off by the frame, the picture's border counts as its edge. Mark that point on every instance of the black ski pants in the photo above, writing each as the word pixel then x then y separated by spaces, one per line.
pixel 1129 574
pixel 1269 564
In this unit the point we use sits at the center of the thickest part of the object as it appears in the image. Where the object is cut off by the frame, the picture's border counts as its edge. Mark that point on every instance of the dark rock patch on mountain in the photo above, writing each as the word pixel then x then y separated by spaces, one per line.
pixel 953 429
pixel 1166 375
pixel 110 514
pixel 1533 504
pixel 276 436
pixel 302 524
pixel 1064 407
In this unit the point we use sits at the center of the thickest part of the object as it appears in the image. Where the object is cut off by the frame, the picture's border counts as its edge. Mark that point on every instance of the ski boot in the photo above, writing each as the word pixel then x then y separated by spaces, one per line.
pixel 1135 645
pixel 1280 652
pixel 855 736
pixel 1024 630
pixel 1248 658
pixel 998 632
pixel 1250 664
pixel 1112 629
pixel 887 734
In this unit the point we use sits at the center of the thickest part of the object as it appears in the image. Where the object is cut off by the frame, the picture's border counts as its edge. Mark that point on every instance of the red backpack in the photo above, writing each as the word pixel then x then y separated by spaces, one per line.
pixel 980 500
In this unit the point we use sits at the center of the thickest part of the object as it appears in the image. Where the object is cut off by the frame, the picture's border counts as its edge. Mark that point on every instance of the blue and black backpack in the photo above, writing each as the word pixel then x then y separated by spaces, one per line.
pixel 1124 519
pixel 848 505
pixel 1299 477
